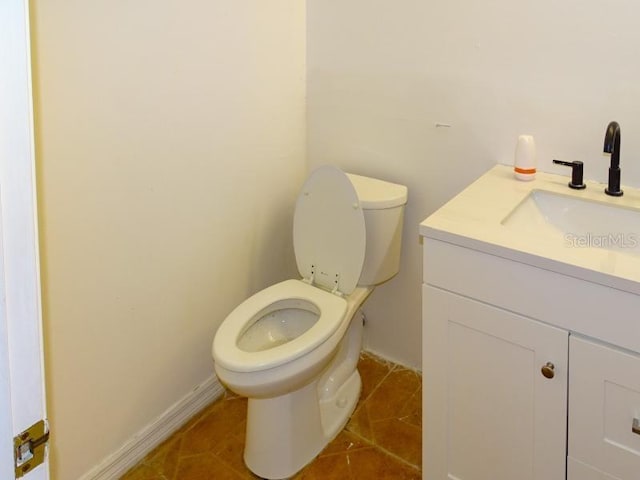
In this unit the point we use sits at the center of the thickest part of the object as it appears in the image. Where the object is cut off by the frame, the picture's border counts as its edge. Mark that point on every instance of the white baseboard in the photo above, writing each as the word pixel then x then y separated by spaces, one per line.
pixel 135 449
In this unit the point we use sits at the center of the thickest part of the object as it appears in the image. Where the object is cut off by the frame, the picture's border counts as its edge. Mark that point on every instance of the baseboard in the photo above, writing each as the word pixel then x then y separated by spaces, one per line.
pixel 135 449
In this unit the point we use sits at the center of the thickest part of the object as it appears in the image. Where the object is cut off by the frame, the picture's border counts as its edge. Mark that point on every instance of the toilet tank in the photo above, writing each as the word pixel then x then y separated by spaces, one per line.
pixel 383 205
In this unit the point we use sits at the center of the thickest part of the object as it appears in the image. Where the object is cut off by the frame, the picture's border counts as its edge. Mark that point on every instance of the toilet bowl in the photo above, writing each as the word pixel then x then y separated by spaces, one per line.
pixel 293 347
pixel 273 369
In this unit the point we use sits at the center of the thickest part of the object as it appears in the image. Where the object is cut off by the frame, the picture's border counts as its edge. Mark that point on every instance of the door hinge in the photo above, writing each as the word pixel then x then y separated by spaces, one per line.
pixel 29 448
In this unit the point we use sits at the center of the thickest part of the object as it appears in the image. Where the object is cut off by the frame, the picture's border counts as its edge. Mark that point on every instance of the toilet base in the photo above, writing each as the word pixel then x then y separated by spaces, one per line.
pixel 285 433
pixel 336 411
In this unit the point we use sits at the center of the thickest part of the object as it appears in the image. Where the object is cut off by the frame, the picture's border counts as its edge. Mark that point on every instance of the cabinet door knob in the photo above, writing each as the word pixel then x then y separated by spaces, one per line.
pixel 548 370
pixel 635 427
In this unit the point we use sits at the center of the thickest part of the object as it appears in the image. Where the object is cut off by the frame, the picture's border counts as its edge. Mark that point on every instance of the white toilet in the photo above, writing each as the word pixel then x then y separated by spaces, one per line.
pixel 293 348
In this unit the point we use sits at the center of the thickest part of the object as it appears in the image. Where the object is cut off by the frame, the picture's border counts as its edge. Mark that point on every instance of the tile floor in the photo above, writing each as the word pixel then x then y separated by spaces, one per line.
pixel 382 439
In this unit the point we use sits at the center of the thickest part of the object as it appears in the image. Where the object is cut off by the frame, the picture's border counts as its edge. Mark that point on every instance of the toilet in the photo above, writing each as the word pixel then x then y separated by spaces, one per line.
pixel 293 347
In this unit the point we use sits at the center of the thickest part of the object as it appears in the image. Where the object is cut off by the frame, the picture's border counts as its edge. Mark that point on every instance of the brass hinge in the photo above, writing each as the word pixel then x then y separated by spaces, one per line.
pixel 29 448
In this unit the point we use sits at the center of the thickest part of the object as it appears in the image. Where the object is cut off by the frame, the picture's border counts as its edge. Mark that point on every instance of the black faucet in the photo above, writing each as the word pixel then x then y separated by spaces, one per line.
pixel 612 146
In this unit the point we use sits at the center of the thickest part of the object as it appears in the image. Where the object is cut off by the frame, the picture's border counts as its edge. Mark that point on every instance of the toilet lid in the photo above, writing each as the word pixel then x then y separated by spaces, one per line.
pixel 329 235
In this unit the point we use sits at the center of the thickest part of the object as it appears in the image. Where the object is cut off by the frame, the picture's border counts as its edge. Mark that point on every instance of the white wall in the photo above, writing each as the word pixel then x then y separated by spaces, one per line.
pixel 381 74
pixel 170 143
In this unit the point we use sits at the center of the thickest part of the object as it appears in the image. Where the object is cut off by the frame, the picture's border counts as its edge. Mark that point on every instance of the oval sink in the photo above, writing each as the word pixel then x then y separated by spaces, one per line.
pixel 578 223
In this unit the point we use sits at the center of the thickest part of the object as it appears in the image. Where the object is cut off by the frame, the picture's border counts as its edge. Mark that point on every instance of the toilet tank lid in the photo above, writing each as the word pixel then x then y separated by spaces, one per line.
pixel 377 194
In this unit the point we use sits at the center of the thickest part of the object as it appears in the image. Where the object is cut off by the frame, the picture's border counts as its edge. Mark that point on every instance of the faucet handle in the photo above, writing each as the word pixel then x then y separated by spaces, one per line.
pixel 577 171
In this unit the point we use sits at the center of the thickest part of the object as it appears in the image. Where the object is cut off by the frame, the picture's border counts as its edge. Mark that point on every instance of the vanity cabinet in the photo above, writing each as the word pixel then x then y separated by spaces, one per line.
pixel 527 375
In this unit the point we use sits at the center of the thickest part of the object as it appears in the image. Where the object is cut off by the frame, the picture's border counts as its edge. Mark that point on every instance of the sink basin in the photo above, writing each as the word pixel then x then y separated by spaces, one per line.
pixel 577 223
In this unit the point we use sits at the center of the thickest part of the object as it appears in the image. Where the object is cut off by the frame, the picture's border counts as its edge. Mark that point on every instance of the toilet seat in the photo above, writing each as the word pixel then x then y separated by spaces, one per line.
pixel 331 309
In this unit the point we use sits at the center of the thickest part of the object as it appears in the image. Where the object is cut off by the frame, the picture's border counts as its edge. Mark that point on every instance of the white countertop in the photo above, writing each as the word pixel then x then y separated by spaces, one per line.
pixel 473 219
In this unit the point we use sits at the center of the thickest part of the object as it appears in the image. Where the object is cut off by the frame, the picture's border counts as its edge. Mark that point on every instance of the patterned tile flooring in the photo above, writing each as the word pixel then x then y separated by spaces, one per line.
pixel 382 439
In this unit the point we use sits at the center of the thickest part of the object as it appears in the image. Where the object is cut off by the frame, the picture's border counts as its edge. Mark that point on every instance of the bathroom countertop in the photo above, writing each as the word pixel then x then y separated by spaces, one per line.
pixel 474 219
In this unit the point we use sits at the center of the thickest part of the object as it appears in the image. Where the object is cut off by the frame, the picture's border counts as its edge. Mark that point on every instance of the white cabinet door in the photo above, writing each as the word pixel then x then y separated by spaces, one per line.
pixel 604 400
pixel 489 413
